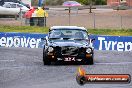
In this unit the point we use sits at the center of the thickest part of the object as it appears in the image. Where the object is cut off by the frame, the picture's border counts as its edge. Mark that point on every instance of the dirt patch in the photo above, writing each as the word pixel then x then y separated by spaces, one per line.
pixel 100 18
pixel 10 22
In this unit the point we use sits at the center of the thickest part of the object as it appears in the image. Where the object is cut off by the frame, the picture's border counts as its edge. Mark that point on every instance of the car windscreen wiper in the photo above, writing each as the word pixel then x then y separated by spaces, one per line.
pixel 78 39
pixel 53 38
pixel 66 38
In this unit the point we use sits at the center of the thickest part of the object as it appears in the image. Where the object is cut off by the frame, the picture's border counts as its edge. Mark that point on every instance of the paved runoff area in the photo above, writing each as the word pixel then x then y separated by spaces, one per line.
pixel 23 68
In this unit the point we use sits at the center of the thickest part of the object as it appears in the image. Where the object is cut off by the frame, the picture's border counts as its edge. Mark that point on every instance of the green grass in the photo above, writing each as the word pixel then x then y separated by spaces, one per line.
pixel 116 32
pixel 24 29
pixel 35 29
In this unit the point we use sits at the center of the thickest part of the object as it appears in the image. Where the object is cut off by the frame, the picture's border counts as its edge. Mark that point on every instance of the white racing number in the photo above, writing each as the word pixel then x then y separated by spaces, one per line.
pixel 69 59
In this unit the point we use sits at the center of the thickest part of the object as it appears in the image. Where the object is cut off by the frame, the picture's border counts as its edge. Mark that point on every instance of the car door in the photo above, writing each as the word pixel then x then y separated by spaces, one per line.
pixel 14 9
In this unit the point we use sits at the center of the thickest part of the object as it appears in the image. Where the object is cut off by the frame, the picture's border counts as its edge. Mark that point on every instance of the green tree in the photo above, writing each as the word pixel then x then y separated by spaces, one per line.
pixel 85 2
pixel 96 2
pixel 34 2
pixel 100 2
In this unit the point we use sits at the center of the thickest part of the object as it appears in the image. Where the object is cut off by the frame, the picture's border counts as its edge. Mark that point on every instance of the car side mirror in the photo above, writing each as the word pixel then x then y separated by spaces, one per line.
pixel 49 30
pixel 92 40
pixel 43 38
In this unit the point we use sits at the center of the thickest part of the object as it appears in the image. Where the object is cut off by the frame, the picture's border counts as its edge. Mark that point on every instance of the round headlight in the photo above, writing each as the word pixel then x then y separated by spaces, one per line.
pixel 88 50
pixel 50 49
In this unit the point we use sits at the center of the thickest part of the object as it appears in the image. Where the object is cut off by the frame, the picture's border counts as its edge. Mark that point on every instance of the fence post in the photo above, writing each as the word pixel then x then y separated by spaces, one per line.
pixel 120 22
pixel 94 23
pixel 21 16
pixel 69 16
pixel 90 9
pixel 44 20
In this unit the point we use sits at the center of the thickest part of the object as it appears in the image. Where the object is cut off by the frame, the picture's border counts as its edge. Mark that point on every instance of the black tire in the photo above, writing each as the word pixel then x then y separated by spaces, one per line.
pixel 89 61
pixel 46 61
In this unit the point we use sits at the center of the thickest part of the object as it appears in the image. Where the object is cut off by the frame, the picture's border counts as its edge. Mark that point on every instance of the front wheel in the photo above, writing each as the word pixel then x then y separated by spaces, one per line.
pixel 46 61
pixel 90 61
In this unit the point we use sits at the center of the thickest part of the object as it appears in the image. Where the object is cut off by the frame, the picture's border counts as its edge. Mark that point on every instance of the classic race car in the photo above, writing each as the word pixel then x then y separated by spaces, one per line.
pixel 68 44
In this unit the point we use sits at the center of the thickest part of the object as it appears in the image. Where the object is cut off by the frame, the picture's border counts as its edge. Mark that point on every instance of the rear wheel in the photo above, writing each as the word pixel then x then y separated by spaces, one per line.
pixel 46 61
pixel 90 61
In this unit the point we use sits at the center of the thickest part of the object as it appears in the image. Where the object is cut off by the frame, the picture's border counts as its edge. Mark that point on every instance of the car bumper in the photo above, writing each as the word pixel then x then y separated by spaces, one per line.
pixel 80 58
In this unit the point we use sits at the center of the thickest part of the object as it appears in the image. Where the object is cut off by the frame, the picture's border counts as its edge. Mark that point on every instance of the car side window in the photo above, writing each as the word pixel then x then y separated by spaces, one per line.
pixel 13 5
pixel 19 6
pixel 7 5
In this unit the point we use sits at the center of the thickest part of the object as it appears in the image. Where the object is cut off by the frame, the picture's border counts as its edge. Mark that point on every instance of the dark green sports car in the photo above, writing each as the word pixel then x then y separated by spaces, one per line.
pixel 68 44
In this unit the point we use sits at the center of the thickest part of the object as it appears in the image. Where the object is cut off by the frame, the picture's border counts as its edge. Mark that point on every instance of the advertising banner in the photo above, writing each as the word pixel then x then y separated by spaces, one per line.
pixel 21 40
pixel 118 43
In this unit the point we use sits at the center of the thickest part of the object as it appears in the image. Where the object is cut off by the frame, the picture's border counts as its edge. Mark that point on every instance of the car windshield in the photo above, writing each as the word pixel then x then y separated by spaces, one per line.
pixel 68 34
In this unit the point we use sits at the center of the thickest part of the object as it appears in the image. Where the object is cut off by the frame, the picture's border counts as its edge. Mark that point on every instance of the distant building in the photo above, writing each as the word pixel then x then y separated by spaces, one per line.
pixel 110 2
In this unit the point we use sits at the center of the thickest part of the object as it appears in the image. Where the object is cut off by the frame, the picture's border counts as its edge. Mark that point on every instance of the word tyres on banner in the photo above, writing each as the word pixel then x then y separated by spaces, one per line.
pixel 118 43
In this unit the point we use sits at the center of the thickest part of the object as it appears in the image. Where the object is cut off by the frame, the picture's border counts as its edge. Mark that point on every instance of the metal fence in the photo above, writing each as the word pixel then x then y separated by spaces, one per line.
pixel 86 19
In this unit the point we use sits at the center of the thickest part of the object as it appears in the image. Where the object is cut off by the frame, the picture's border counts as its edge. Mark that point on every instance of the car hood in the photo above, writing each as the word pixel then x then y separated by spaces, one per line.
pixel 77 43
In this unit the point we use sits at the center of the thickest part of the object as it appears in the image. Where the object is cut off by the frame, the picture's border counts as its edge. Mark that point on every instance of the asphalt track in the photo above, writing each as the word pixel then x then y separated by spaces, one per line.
pixel 23 68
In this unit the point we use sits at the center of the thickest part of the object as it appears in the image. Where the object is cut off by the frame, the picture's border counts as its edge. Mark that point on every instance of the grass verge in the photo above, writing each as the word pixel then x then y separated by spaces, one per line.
pixel 35 29
pixel 114 32
pixel 24 29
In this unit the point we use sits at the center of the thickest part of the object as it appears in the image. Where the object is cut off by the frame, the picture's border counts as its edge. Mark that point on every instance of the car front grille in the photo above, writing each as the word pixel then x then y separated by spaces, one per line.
pixel 69 50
